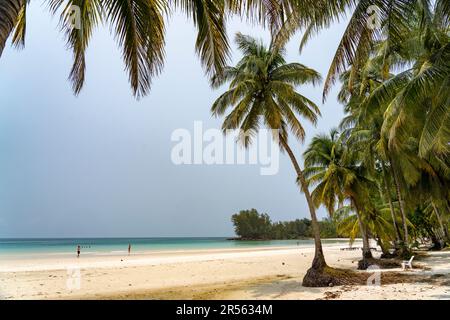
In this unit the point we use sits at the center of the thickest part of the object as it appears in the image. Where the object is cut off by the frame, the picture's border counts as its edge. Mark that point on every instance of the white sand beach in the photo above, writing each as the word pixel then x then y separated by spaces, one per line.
pixel 263 273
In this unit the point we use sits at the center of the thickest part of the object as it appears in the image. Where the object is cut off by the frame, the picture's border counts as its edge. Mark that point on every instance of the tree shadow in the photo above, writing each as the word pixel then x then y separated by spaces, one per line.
pixel 280 289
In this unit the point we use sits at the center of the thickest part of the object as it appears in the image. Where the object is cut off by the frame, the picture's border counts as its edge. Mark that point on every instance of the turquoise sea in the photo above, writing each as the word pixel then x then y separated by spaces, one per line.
pixel 27 247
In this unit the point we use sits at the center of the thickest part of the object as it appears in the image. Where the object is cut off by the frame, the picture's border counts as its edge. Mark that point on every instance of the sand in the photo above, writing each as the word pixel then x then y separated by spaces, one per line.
pixel 263 273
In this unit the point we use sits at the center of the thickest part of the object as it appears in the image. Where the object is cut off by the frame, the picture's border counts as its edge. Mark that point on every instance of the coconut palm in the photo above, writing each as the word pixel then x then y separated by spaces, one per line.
pixel 336 173
pixel 324 151
pixel 413 32
pixel 387 110
pixel 368 21
pixel 262 92
pixel 421 84
pixel 362 129
pixel 415 102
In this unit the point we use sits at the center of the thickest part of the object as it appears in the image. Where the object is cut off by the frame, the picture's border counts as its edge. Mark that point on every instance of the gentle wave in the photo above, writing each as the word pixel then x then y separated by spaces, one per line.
pixel 117 246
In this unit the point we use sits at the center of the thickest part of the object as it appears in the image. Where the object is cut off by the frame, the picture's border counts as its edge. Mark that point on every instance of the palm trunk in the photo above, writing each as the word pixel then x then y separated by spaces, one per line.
pixel 367 254
pixel 441 225
pixel 391 206
pixel 319 259
pixel 435 239
pixel 9 11
pixel 400 201
pixel 384 249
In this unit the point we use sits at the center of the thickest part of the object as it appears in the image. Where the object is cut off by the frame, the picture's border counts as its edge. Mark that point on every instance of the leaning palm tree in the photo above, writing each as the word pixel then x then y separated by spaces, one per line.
pixel 415 101
pixel 262 91
pixel 362 127
pixel 368 20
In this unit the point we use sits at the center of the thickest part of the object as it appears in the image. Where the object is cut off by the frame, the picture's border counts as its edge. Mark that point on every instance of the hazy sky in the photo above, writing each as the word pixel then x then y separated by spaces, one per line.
pixel 99 164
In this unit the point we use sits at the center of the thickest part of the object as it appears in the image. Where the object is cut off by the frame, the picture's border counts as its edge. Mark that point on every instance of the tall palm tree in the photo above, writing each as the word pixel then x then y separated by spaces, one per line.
pixel 363 128
pixel 390 107
pixel 337 173
pixel 262 91
pixel 416 104
pixel 413 99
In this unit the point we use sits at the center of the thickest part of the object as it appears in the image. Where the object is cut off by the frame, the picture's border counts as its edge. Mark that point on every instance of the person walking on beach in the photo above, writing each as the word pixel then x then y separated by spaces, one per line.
pixel 78 251
pixel 129 248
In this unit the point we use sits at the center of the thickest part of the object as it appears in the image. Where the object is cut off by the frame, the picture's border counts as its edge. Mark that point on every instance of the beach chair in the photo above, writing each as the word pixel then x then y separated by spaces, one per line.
pixel 407 263
pixel 349 248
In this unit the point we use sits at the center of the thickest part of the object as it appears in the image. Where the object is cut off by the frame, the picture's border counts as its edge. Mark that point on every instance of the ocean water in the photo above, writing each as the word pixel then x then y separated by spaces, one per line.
pixel 111 246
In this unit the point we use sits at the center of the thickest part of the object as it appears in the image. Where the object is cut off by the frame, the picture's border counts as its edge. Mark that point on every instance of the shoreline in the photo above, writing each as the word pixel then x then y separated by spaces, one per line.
pixel 263 273
pixel 58 260
pixel 148 258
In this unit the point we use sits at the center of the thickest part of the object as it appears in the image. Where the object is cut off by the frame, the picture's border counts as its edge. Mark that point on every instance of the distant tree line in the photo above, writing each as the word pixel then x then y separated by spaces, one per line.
pixel 252 225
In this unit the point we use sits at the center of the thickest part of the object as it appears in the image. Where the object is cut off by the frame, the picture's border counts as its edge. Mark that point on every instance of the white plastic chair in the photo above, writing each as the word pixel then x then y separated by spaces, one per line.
pixel 407 263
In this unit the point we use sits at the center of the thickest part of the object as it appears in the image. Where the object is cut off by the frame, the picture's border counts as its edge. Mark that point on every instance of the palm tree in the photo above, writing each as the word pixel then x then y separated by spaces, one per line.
pixel 415 31
pixel 139 29
pixel 411 51
pixel 421 89
pixel 337 173
pixel 368 20
pixel 416 100
pixel 262 91
pixel 362 127
pixel 389 107
pixel 324 151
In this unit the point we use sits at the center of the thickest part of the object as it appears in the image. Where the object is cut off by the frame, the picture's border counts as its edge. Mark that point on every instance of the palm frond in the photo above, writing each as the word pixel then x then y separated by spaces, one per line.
pixel 139 28
pixel 10 11
pixel 212 41
pixel 18 38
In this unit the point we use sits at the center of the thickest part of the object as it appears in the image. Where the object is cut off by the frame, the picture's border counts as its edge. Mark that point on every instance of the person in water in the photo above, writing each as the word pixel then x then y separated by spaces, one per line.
pixel 129 248
pixel 78 251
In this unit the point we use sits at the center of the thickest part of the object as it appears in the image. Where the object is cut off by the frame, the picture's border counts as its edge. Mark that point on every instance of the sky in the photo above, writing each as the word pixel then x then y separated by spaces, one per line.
pixel 99 164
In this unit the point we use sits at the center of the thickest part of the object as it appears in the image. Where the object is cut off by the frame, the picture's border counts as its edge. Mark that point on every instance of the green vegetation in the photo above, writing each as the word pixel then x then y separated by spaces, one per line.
pixel 263 91
pixel 251 225
pixel 387 165
pixel 384 174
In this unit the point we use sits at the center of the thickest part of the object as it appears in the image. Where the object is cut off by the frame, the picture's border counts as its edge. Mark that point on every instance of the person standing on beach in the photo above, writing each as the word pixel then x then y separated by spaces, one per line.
pixel 129 248
pixel 78 251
